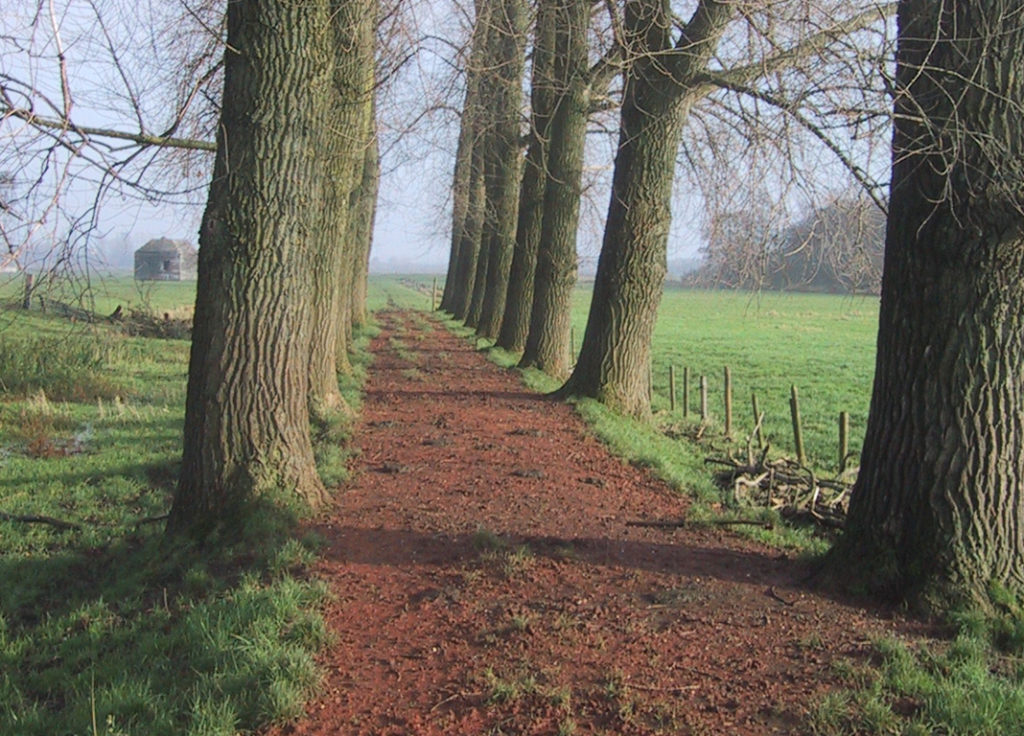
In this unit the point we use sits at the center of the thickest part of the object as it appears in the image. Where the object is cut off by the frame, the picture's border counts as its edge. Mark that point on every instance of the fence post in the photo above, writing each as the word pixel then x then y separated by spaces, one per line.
pixel 758 429
pixel 703 398
pixel 672 389
pixel 844 439
pixel 26 302
pixel 433 296
pixel 728 402
pixel 686 392
pixel 798 436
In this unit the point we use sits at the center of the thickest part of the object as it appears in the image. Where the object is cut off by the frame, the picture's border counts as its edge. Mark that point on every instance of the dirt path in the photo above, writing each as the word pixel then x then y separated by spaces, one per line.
pixel 486 582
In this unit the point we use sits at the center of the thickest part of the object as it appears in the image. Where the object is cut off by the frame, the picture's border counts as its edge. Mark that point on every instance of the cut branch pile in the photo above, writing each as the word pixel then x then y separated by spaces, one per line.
pixel 794 490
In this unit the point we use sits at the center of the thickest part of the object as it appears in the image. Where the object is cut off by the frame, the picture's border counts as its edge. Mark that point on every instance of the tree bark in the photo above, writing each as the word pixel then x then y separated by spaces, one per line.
pixel 515 323
pixel 469 247
pixel 365 215
pixel 332 276
pixel 465 177
pixel 547 344
pixel 246 420
pixel 615 354
pixel 501 156
pixel 938 507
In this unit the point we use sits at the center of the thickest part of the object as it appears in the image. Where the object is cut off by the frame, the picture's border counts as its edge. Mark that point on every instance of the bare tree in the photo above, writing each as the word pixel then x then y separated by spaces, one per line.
pixel 93 104
pixel 725 48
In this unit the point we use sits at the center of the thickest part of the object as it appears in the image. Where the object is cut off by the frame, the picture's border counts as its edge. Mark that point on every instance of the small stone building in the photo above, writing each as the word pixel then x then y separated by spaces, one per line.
pixel 163 259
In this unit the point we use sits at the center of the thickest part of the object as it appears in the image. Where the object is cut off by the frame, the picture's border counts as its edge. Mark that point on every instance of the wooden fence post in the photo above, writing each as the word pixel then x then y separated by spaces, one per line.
pixel 686 392
pixel 26 302
pixel 703 398
pixel 728 402
pixel 758 429
pixel 798 436
pixel 844 439
pixel 672 389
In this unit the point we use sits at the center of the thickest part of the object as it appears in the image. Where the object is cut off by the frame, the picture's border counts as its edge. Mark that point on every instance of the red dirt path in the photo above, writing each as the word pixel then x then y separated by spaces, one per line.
pixel 486 582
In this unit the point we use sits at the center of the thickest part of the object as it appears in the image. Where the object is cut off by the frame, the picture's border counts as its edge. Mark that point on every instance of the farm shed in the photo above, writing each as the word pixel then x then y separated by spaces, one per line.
pixel 163 259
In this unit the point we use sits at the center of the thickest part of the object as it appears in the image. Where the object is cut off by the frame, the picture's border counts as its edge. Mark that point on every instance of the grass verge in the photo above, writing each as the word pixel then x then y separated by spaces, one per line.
pixel 106 627
pixel 971 684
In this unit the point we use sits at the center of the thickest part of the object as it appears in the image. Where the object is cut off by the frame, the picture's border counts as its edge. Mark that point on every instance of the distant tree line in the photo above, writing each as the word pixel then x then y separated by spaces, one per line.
pixel 836 248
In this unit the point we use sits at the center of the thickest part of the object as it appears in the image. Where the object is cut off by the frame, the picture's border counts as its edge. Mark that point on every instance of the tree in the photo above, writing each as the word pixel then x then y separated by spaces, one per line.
pixel 345 141
pixel 468 178
pixel 246 420
pixel 93 102
pixel 616 345
pixel 500 99
pixel 547 341
pixel 939 504
pixel 516 321
pixel 462 175
pixel 835 247
pixel 665 79
pixel 364 214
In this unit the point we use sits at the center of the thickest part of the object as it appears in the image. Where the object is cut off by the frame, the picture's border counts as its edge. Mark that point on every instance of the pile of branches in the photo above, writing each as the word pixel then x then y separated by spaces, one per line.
pixel 792 489
pixel 144 323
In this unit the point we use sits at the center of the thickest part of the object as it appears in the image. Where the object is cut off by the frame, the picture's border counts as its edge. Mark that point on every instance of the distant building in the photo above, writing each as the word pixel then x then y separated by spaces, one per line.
pixel 163 259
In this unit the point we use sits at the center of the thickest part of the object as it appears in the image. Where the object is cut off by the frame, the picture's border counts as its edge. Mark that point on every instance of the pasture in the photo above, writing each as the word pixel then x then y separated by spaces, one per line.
pixel 104 629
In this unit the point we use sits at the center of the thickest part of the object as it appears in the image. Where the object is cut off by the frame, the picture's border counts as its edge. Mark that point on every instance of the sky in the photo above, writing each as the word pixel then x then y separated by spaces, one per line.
pixel 418 122
pixel 413 221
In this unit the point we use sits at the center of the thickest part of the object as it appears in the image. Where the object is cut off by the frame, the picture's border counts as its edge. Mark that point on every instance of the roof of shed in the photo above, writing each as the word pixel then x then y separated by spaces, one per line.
pixel 163 245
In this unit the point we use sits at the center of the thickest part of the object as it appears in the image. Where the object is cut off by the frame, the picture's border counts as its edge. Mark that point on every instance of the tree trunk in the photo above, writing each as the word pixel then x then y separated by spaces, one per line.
pixel 615 354
pixel 246 420
pixel 502 156
pixel 365 214
pixel 938 507
pixel 547 345
pixel 463 196
pixel 515 323
pixel 469 248
pixel 333 273
pixel 482 255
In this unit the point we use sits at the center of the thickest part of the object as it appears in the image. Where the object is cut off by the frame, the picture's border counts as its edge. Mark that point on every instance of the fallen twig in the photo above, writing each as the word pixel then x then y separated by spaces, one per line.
pixel 772 594
pixel 149 520
pixel 37 519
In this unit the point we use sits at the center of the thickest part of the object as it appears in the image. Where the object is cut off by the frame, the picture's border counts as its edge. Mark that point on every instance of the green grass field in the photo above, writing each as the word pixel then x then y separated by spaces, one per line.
pixel 104 627
pixel 824 344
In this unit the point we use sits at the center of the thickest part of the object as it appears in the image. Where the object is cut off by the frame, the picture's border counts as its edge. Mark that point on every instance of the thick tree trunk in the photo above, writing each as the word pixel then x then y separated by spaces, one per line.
pixel 547 344
pixel 246 421
pixel 615 354
pixel 365 215
pixel 938 507
pixel 515 323
pixel 502 156
pixel 333 273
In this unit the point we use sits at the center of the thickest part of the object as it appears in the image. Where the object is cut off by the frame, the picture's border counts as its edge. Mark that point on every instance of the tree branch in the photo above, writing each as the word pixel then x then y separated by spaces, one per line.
pixel 143 139
pixel 783 59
